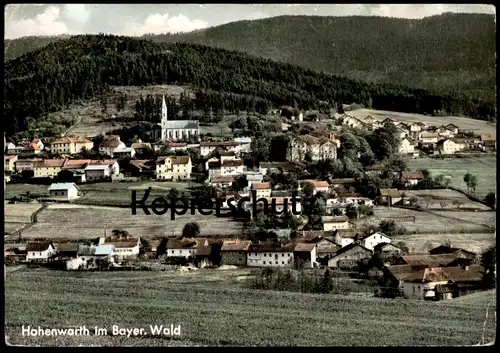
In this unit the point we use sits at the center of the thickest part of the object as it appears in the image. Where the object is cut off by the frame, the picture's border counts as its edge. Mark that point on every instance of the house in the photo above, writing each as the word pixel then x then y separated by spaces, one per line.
pixel 335 138
pixel 91 257
pixel 326 248
pixel 183 249
pixel 453 128
pixel 349 256
pixel 173 168
pixel 375 169
pixel 141 167
pixel 489 141
pixel 48 168
pixel 345 237
pixel 374 239
pixel 141 148
pixel 449 146
pixel 407 146
pixel 27 164
pixel 206 147
pixel 97 172
pixel 262 189
pixel 353 198
pixel 110 143
pixel 169 146
pixel 124 152
pixel 387 250
pixel 402 132
pixel 428 283
pixel 335 222
pixel 305 255
pixel 427 137
pixel 39 251
pixel 245 144
pixel 307 146
pixel 214 168
pixel 70 145
pixel 271 255
pixel 234 252
pixel 10 148
pixel 318 185
pixel 125 247
pixel 415 128
pixel 276 167
pixel 9 162
pixel 222 181
pixel 344 182
pixel 389 197
pixel 67 191
pixel 253 177
pixel 231 167
pixel 425 260
pixel 67 250
pixel 351 121
pixel 445 133
pixel 411 178
pixel 203 254
pixel 74 170
pixel 446 249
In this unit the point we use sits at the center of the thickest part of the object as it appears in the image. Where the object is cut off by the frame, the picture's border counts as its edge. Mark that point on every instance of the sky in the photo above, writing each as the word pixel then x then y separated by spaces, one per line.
pixel 138 19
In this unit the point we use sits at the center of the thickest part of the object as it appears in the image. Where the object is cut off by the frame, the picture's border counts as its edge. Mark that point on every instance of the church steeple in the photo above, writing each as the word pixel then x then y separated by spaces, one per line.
pixel 164 119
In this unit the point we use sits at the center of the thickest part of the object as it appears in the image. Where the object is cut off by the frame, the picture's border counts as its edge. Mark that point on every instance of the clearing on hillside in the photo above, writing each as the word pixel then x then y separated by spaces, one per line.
pixel 221 315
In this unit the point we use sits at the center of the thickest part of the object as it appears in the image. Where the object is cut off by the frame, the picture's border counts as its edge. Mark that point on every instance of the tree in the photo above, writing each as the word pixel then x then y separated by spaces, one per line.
pixel 351 211
pixel 490 200
pixel 308 190
pixel 471 182
pixel 443 204
pixel 427 201
pixel 327 282
pixel 457 203
pixel 190 230
pixel 488 261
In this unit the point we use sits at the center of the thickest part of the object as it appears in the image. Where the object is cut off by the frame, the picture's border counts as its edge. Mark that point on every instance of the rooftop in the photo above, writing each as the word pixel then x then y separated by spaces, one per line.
pixel 62 186
pixel 261 186
pixel 390 192
pixel 236 245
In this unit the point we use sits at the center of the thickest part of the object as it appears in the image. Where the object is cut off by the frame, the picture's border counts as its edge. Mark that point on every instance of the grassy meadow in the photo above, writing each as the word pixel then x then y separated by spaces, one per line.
pixel 218 314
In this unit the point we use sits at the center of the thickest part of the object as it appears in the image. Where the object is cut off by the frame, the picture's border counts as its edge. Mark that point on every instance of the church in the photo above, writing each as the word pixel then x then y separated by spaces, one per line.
pixel 175 130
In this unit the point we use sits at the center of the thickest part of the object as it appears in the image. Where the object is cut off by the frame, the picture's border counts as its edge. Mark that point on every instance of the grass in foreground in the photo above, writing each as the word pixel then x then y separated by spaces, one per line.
pixel 225 315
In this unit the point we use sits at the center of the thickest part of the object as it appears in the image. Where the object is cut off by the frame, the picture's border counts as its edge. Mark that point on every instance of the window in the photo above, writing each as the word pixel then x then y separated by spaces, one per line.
pixel 172 251
pixel 276 262
pixel 413 290
pixel 40 253
pixel 264 255
pixel 282 262
pixel 264 262
pixel 282 255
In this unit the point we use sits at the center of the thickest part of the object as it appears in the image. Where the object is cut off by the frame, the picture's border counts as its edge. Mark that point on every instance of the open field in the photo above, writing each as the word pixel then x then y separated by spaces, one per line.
pixel 475 242
pixel 119 194
pixel 20 213
pixel 435 221
pixel 70 221
pixel 484 168
pixel 223 315
pixel 442 199
pixel 464 124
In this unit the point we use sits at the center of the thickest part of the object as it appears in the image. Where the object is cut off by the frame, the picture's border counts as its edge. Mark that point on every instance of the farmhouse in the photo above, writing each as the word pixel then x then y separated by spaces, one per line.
pixel 66 191
pixel 207 147
pixel 97 173
pixel 109 144
pixel 446 249
pixel 449 146
pixel 234 252
pixel 453 128
pixel 318 185
pixel 488 141
pixel 67 250
pixel 371 241
pixel 335 222
pixel 349 256
pixel 74 170
pixel 441 260
pixel 40 251
pixel 70 145
pixel 307 146
pixel 429 137
pixel 326 248
pixel 9 162
pixel 411 178
pixel 271 255
pixel 141 167
pixel 345 237
pixel 48 168
pixel 124 152
pixel 222 181
pixel 305 255
pixel 351 121
pixel 389 197
pixel 231 167
pixel 262 189
pixel 387 250
pixel 181 248
pixel 91 256
pixel 141 147
pixel 125 248
pixel 173 168
pixel 407 146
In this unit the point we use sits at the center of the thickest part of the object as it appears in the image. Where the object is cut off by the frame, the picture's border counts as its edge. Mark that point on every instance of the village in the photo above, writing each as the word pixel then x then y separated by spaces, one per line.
pixel 326 234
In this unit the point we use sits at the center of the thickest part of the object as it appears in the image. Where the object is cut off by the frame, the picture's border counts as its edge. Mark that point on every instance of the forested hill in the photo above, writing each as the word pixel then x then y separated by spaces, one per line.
pixel 444 53
pixel 81 67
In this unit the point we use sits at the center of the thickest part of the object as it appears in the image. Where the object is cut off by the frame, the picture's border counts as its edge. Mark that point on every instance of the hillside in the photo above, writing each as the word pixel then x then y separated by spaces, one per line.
pixel 446 52
pixel 83 67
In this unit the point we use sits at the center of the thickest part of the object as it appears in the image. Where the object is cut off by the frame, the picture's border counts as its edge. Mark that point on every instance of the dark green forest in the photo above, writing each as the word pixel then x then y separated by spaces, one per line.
pixel 445 53
pixel 82 67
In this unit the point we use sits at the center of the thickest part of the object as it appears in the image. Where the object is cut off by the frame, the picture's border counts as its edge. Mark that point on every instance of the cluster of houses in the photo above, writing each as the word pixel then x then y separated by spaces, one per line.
pixel 444 140
pixel 443 273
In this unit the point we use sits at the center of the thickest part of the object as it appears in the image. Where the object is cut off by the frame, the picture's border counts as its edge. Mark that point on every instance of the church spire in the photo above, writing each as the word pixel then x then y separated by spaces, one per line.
pixel 163 119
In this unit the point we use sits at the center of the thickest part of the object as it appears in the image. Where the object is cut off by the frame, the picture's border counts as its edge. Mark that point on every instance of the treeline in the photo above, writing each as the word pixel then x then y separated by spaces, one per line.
pixel 81 67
